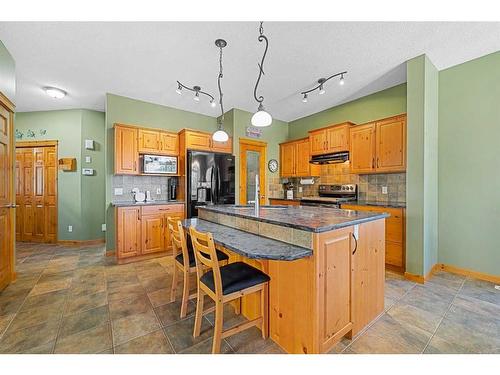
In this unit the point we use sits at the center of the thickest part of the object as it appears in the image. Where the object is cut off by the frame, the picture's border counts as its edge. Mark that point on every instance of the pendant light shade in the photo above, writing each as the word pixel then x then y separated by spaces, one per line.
pixel 261 118
pixel 220 136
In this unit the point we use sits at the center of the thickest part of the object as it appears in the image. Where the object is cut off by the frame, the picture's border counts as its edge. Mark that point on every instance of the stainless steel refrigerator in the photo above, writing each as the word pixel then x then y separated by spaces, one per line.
pixel 210 180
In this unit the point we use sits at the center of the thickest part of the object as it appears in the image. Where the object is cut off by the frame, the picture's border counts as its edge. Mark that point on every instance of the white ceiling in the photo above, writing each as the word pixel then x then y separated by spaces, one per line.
pixel 144 60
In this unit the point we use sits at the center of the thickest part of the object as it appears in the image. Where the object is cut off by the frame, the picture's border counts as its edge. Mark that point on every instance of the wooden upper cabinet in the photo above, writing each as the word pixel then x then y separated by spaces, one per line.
pixel 362 148
pixel 198 140
pixel 317 142
pixel 169 143
pixel 302 166
pixel 391 144
pixel 287 159
pixel 338 138
pixel 225 147
pixel 331 139
pixel 149 141
pixel 126 154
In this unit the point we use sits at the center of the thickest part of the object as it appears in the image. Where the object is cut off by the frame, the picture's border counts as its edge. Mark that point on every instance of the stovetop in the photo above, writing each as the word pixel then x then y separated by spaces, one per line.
pixel 328 199
pixel 334 194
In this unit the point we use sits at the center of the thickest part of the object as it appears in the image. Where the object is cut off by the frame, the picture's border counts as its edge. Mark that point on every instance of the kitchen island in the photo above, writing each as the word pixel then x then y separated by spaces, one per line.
pixel 326 268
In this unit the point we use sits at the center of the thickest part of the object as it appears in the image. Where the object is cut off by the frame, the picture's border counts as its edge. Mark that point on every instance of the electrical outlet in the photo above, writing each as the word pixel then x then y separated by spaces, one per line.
pixel 300 189
pixel 70 228
pixel 88 159
pixel 384 189
pixel 103 227
pixel 118 191
pixel 158 191
pixel 497 287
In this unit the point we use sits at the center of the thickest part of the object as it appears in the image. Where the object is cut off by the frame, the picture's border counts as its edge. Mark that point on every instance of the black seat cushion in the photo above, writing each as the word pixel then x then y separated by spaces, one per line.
pixel 192 262
pixel 235 276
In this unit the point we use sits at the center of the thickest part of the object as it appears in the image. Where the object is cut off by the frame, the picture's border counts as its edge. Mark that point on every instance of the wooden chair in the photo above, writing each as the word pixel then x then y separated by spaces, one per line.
pixel 225 284
pixel 182 249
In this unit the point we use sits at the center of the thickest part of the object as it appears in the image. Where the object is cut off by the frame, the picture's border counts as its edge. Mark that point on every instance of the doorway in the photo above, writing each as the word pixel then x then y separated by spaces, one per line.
pixel 36 191
pixel 252 162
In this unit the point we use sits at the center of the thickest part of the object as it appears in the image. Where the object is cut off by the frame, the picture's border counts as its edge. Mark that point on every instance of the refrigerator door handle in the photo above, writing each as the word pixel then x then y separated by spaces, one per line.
pixel 212 185
pixel 218 186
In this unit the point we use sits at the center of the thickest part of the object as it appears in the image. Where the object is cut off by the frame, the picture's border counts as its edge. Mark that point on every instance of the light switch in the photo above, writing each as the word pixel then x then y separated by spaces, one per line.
pixel 103 227
pixel 384 189
pixel 87 171
pixel 118 191
pixel 70 228
pixel 88 159
pixel 158 191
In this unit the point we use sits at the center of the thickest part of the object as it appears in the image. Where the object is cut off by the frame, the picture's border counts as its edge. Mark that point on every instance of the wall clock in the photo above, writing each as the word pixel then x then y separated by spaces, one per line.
pixel 273 165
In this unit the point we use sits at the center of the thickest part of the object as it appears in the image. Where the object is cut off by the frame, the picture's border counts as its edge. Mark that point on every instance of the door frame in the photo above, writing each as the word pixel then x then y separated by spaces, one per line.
pixel 48 143
pixel 11 163
pixel 258 146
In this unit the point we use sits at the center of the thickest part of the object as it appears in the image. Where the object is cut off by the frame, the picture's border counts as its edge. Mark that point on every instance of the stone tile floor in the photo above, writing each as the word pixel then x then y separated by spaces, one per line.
pixel 75 300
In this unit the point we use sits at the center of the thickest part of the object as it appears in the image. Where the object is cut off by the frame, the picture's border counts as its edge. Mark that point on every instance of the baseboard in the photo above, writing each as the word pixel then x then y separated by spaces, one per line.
pixel 452 269
pixel 81 243
pixel 110 253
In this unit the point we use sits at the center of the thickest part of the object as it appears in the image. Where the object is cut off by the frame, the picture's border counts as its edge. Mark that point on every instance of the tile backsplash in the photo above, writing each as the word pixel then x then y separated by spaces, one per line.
pixel 143 183
pixel 369 186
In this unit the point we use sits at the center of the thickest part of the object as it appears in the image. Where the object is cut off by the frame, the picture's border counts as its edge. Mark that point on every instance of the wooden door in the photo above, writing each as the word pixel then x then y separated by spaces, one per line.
pixel 169 143
pixel 338 138
pixel 38 195
pixel 27 206
pixel 128 233
pixel 198 141
pixel 152 233
pixel 317 140
pixel 50 193
pixel 362 148
pixel 126 154
pixel 252 163
pixel 7 205
pixel 287 159
pixel 19 186
pixel 149 141
pixel 391 145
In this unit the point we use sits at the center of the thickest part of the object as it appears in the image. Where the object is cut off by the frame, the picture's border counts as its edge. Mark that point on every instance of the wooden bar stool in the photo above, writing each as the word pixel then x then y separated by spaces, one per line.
pixel 224 284
pixel 182 249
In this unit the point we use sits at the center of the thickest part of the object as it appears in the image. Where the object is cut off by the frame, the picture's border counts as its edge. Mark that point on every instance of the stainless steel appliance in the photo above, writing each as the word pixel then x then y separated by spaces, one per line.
pixel 172 189
pixel 331 196
pixel 157 164
pixel 210 180
pixel 333 158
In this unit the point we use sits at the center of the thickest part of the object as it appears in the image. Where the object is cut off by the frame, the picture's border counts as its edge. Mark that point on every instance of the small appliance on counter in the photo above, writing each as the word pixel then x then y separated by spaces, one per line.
pixel 172 189
pixel 157 164
pixel 138 196
pixel 148 196
pixel 288 189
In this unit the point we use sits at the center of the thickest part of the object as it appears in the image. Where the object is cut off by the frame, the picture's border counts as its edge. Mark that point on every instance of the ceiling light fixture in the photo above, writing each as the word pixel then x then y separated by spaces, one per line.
pixel 220 135
pixel 54 92
pixel 197 91
pixel 320 85
pixel 261 118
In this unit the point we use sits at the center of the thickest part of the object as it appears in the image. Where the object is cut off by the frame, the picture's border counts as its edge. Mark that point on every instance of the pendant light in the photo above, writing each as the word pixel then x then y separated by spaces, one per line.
pixel 220 135
pixel 261 118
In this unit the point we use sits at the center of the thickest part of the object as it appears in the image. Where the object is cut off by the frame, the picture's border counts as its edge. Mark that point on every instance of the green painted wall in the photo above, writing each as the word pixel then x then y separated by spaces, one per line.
pixel 273 135
pixel 469 165
pixel 130 111
pixel 93 187
pixel 422 167
pixel 7 74
pixel 68 128
pixel 379 105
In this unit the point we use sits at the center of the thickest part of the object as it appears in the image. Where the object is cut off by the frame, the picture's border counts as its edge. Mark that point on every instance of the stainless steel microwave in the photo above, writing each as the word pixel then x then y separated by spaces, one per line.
pixel 157 164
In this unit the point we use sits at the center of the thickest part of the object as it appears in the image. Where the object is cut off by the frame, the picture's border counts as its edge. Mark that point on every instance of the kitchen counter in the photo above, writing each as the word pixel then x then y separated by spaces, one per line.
pixel 306 218
pixel 152 203
pixel 247 244
pixel 376 204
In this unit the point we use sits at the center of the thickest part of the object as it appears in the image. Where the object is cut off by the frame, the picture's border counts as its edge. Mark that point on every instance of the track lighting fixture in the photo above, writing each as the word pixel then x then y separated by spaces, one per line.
pixel 320 85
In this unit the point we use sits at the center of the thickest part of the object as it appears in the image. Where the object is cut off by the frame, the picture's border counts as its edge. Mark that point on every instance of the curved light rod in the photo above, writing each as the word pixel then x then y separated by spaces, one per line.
pixel 196 89
pixel 322 81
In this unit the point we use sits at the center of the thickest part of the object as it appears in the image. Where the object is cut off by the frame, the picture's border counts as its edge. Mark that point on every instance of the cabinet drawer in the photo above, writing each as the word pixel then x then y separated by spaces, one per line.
pixel 162 209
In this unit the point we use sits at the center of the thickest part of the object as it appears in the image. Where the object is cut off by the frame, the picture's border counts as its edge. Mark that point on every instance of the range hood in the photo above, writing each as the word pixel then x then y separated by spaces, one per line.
pixel 336 157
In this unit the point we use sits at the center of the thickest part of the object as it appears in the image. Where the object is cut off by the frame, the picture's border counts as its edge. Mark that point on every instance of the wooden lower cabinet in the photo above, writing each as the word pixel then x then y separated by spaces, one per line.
pixel 395 234
pixel 283 202
pixel 143 230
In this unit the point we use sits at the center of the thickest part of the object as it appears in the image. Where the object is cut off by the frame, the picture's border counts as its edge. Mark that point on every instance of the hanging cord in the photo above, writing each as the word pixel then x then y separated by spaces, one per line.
pixel 220 89
pixel 261 38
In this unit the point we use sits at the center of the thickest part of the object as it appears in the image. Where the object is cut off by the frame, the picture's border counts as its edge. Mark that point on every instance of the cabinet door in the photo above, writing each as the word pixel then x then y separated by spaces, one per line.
pixel 338 139
pixel 128 238
pixel 391 145
pixel 152 233
pixel 362 148
pixel 126 154
pixel 334 304
pixel 169 143
pixel 317 142
pixel 149 141
pixel 368 275
pixel 198 141
pixel 224 147
pixel 302 166
pixel 287 159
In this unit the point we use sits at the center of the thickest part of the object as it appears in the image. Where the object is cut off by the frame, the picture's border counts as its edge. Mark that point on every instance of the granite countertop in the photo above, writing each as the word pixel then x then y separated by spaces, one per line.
pixel 247 244
pixel 285 199
pixel 310 219
pixel 378 204
pixel 151 203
